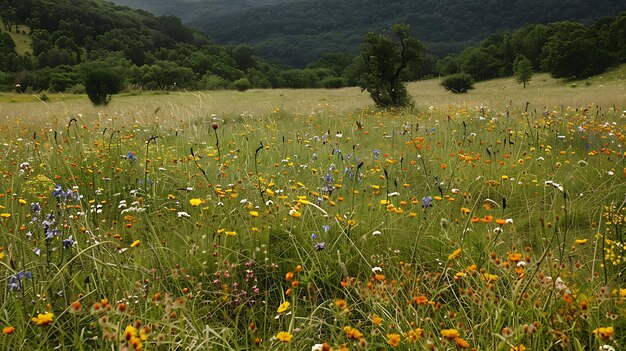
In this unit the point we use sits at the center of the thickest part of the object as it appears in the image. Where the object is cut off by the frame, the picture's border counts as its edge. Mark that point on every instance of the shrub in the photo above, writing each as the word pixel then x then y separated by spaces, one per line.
pixel 214 82
pixel 100 84
pixel 242 84
pixel 333 82
pixel 458 83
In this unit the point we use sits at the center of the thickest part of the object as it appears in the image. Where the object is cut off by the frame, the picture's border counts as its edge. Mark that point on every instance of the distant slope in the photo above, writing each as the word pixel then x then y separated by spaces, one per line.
pixel 189 10
pixel 20 38
pixel 297 32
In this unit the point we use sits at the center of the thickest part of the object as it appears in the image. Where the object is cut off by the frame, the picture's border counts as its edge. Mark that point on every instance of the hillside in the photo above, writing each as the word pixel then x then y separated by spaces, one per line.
pixel 298 32
pixel 65 39
pixel 188 10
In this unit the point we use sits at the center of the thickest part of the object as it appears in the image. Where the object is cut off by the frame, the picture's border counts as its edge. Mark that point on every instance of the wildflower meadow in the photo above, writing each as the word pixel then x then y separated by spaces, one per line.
pixel 490 223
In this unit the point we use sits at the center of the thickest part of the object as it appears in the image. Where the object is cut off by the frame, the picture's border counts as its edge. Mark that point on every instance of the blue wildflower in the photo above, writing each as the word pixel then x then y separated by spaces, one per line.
pixel 328 178
pixel 57 191
pixel 348 172
pixel 67 243
pixel 427 201
pixel 51 233
pixel 320 246
pixel 15 281
pixel 131 157
pixel 376 154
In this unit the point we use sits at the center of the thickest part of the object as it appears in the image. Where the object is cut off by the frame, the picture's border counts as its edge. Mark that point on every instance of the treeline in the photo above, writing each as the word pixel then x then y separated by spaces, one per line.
pixel 195 9
pixel 69 38
pixel 563 49
pixel 297 32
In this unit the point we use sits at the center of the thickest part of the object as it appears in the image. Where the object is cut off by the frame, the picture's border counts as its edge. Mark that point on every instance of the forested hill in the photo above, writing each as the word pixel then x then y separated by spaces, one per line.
pixel 96 18
pixel 189 9
pixel 297 32
pixel 60 40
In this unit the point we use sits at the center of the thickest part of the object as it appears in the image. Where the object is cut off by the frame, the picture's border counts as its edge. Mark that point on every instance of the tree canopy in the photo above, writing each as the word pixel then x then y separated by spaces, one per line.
pixel 385 59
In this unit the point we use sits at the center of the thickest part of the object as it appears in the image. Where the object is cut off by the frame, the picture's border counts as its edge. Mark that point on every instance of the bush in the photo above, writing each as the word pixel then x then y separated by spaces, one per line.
pixel 333 82
pixel 60 82
pixel 242 84
pixel 458 83
pixel 214 82
pixel 101 83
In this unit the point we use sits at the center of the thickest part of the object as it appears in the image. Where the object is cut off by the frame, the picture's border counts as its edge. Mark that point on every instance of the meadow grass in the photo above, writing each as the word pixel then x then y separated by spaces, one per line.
pixel 308 220
pixel 21 38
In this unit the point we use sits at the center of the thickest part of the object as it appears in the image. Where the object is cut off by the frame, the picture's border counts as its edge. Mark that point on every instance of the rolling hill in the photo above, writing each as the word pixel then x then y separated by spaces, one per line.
pixel 297 32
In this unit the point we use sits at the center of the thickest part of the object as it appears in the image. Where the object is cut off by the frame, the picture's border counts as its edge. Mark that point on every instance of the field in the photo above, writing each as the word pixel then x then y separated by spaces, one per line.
pixel 308 220
pixel 21 39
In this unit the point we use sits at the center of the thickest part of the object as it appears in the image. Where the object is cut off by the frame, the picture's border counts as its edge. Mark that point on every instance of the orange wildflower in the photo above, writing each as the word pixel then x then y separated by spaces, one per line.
pixel 352 333
pixel 515 257
pixel 393 339
pixel 462 343
pixel 420 300
pixel 450 334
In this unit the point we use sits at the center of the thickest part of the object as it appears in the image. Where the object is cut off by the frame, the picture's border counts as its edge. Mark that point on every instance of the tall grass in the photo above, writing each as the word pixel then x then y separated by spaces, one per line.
pixel 469 222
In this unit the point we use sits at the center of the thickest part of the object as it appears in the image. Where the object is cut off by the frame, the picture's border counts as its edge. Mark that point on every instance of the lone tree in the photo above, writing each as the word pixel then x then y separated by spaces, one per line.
pixel 385 59
pixel 523 70
pixel 101 83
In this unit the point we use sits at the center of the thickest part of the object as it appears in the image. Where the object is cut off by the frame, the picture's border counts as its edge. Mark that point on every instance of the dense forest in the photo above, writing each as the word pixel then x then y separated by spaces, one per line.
pixel 297 32
pixel 67 37
pixel 61 40
pixel 188 10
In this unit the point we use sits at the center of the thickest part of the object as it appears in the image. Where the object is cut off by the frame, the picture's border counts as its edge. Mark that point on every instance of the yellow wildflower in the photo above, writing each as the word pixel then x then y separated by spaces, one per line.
pixel 450 334
pixel 43 319
pixel 393 339
pixel 284 336
pixel 283 307
pixel 455 254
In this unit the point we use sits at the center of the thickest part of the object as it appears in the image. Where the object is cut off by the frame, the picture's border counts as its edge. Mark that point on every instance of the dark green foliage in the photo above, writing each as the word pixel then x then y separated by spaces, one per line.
pixel 147 51
pixel 244 57
pixel 615 37
pixel 573 52
pixel 8 55
pixel 101 83
pixel 297 32
pixel 385 60
pixel 335 61
pixel 523 70
pixel 299 78
pixel 448 65
pixel 242 84
pixel 529 41
pixel 24 81
pixel 479 63
pixel 212 82
pixel 258 79
pixel 458 83
pixel 333 82
pixel 168 75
